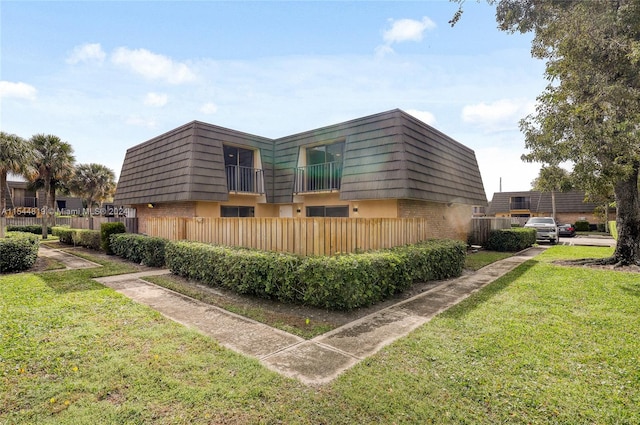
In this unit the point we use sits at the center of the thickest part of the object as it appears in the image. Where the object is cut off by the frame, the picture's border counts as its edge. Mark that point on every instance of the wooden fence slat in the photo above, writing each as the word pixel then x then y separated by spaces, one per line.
pixel 310 236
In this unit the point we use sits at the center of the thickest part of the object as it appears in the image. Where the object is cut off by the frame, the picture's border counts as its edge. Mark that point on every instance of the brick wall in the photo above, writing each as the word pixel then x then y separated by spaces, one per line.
pixel 176 209
pixel 447 220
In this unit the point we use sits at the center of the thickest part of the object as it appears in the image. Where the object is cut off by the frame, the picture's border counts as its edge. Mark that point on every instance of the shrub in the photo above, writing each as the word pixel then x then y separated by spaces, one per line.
pixel 139 248
pixel 64 234
pixel 349 281
pixel 582 226
pixel 434 259
pixel 613 230
pixel 511 240
pixel 262 273
pixel 36 229
pixel 108 229
pixel 18 252
pixel 87 238
pixel 339 282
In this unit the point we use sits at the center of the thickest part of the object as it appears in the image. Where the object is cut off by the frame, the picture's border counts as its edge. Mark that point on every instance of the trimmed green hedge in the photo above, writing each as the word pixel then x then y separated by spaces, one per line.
pixel 613 230
pixel 65 234
pixel 582 226
pixel 139 248
pixel 339 282
pixel 18 251
pixel 108 229
pixel 32 228
pixel 79 237
pixel 511 240
pixel 262 273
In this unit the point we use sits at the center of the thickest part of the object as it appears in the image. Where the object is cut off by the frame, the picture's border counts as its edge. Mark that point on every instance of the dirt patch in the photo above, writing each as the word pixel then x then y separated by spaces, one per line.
pixel 294 315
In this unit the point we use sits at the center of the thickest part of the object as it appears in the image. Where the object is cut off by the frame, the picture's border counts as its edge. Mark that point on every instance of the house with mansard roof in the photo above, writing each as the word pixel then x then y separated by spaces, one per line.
pixel 570 206
pixel 384 165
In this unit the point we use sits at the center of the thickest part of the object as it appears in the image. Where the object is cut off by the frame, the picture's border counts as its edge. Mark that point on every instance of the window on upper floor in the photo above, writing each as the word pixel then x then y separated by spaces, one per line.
pixel 323 169
pixel 242 175
pixel 520 203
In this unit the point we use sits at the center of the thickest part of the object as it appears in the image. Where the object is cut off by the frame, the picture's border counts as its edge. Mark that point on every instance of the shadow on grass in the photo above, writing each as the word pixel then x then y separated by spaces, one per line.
pixel 70 281
pixel 461 309
pixel 632 289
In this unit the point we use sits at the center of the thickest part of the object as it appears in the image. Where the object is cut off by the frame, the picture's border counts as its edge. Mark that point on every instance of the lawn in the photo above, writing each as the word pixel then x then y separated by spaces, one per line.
pixel 544 344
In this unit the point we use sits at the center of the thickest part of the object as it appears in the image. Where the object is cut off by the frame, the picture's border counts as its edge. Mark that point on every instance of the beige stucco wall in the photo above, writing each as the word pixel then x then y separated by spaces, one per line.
pixel 447 220
pixel 176 209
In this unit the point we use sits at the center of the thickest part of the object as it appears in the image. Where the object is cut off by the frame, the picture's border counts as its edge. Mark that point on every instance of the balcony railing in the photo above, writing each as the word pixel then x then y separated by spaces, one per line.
pixel 318 178
pixel 29 202
pixel 521 205
pixel 244 179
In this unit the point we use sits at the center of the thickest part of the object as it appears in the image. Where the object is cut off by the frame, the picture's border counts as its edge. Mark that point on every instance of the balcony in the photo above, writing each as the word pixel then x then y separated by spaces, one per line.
pixel 520 204
pixel 318 178
pixel 244 179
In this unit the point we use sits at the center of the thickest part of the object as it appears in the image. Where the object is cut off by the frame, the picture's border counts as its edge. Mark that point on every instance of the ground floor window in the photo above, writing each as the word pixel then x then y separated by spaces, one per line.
pixel 341 211
pixel 227 211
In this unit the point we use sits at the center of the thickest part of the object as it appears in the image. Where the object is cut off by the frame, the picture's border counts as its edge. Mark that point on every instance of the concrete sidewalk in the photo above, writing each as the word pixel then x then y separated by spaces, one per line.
pixel 321 359
pixel 69 260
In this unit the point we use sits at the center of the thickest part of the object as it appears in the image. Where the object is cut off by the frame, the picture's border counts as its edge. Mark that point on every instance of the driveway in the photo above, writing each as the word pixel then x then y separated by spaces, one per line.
pixel 595 240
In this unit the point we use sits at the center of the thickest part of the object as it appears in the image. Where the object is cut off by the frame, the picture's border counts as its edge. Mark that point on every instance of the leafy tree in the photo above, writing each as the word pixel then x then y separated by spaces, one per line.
pixel 552 178
pixel 94 182
pixel 15 156
pixel 53 161
pixel 589 112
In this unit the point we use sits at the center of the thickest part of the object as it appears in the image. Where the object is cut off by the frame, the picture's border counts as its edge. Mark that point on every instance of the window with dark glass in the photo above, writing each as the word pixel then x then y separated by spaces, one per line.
pixel 323 170
pixel 241 176
pixel 520 202
pixel 230 211
pixel 339 211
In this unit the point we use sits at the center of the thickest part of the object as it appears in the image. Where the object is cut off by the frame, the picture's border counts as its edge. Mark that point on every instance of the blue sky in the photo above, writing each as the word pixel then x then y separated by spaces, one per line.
pixel 105 76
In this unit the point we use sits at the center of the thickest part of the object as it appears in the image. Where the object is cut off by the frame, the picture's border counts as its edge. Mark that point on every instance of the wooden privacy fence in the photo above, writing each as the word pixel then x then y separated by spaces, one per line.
pixel 482 226
pixel 303 236
pixel 75 222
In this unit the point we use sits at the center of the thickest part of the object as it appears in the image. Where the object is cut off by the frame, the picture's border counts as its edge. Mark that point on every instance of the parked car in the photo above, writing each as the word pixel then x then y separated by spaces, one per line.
pixel 567 230
pixel 546 228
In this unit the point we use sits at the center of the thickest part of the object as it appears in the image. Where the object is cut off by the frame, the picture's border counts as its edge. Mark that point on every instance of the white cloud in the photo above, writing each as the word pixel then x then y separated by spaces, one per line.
pixel 407 30
pixel 156 99
pixel 498 115
pixel 141 122
pixel 424 116
pixel 209 108
pixel 402 30
pixel 86 53
pixel 153 66
pixel 17 90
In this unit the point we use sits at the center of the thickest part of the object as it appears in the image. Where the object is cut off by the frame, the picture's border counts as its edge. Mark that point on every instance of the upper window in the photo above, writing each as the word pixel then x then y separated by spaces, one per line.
pixel 323 171
pixel 241 174
pixel 325 153
pixel 520 203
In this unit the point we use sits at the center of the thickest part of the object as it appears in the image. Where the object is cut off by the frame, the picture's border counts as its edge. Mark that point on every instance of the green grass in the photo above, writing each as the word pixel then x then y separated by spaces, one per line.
pixel 477 260
pixel 286 322
pixel 543 344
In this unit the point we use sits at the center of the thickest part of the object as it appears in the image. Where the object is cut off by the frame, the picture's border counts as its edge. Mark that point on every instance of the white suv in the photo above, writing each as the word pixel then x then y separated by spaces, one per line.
pixel 546 228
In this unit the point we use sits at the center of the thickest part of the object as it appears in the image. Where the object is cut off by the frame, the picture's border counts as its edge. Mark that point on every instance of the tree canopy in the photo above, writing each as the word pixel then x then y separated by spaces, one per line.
pixel 94 182
pixel 16 157
pixel 53 161
pixel 589 113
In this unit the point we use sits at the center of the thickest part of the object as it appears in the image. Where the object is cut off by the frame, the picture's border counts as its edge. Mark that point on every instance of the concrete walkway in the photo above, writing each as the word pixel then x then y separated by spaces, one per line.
pixel 321 359
pixel 69 260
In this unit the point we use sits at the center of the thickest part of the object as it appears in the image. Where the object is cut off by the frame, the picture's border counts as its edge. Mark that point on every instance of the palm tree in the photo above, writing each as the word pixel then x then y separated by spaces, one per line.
pixel 15 156
pixel 53 161
pixel 94 182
